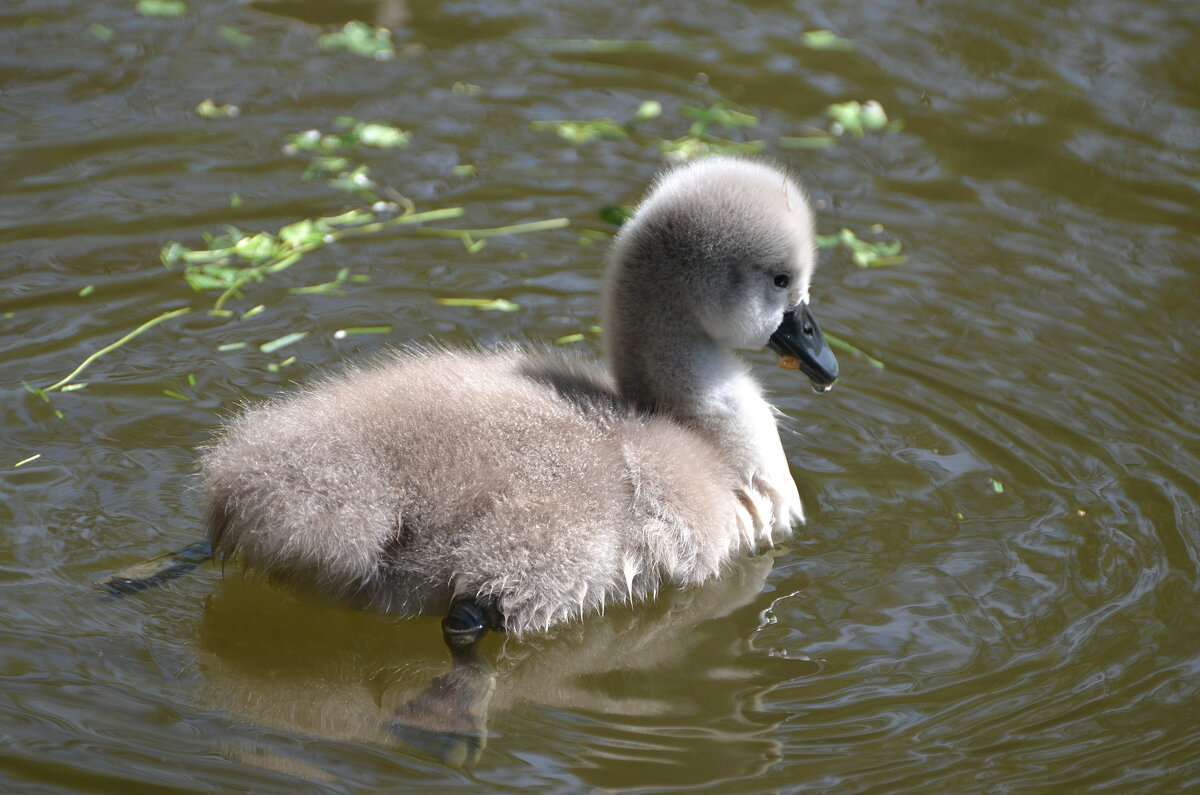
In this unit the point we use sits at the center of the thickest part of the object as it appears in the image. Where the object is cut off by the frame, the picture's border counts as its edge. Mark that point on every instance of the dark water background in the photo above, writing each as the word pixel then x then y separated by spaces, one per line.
pixel 999 586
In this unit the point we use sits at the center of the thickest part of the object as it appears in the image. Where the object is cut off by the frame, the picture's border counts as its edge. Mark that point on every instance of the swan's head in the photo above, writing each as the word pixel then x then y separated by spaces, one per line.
pixel 728 245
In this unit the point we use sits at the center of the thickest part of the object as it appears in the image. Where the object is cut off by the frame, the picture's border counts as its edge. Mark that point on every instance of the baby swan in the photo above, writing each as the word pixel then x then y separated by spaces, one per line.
pixel 516 488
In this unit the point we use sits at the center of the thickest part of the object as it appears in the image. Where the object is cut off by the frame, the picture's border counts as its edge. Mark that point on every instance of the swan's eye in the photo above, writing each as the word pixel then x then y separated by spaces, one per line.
pixel 782 280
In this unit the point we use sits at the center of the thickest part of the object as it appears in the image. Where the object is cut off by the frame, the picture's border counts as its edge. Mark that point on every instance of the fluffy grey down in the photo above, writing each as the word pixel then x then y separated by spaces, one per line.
pixel 530 480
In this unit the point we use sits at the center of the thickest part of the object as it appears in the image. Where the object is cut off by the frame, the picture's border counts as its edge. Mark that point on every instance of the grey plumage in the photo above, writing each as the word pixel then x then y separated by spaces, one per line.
pixel 531 481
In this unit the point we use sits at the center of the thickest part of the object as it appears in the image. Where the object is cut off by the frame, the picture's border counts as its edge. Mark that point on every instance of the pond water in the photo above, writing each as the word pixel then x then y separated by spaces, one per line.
pixel 999 585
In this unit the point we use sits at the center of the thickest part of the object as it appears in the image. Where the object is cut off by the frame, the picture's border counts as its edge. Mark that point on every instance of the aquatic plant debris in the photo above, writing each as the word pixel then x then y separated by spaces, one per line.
pixel 487 304
pixel 865 254
pixel 285 340
pixel 342 333
pixel 353 134
pixel 841 344
pixel 581 132
pixel 818 140
pixel 235 259
pixel 161 8
pixel 857 119
pixel 208 109
pixel 699 140
pixel 825 40
pixel 847 117
pixel 235 36
pixel 359 38
pixel 616 214
pixel 149 324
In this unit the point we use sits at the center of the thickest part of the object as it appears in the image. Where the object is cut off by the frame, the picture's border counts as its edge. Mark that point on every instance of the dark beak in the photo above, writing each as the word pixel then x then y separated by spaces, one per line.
pixel 799 336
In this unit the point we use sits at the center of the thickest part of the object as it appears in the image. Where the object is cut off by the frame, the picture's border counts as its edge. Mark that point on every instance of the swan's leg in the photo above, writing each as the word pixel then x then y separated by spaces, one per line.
pixel 462 629
pixel 448 719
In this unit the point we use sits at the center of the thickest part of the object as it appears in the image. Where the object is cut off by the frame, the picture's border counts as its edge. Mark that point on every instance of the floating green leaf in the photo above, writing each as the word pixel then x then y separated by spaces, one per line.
pixel 581 132
pixel 380 136
pixel 864 253
pixel 211 110
pixel 690 147
pixel 235 36
pixel 650 109
pixel 616 214
pixel 368 41
pixel 101 32
pixel 161 8
pixel 717 114
pixel 858 119
pixel 235 259
pixel 825 40
pixel 354 133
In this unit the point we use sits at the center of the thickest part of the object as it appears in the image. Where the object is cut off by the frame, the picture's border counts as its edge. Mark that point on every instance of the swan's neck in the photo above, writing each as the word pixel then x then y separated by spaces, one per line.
pixel 685 373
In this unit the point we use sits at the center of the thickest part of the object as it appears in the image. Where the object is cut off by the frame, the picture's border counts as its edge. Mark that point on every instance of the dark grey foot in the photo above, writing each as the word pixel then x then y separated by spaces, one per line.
pixel 448 719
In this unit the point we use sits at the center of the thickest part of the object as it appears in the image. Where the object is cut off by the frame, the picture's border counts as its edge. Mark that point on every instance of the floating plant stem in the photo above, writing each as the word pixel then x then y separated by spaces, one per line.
pixel 838 342
pixel 610 46
pixel 822 141
pixel 113 346
pixel 489 304
pixel 327 288
pixel 496 231
pixel 285 340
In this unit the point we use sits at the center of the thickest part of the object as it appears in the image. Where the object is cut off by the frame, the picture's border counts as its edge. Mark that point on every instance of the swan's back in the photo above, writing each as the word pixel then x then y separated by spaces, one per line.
pixel 520 480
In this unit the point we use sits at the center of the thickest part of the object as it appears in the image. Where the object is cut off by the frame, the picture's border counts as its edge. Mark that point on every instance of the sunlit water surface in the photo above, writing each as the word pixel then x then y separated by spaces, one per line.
pixel 997 589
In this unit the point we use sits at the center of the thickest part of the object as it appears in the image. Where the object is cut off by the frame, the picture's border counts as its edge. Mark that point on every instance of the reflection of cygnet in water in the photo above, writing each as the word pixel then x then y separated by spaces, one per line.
pixel 289 664
pixel 515 490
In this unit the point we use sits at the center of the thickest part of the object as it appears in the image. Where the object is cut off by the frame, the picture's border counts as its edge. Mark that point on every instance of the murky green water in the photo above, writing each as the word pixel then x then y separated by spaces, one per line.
pixel 999 588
